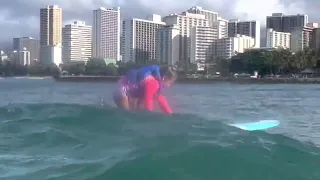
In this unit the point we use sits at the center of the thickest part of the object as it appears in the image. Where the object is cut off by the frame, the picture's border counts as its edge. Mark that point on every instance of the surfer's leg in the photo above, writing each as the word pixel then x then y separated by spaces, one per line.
pixel 122 102
pixel 133 103
pixel 121 99
pixel 140 103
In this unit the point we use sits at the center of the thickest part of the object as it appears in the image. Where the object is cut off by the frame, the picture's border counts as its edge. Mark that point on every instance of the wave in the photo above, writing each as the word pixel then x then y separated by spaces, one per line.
pixel 67 141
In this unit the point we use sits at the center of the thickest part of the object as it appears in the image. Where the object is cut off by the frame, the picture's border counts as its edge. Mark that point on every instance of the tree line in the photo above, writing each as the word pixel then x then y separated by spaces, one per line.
pixel 271 62
pixel 266 62
pixel 97 67
pixel 9 68
pixel 94 67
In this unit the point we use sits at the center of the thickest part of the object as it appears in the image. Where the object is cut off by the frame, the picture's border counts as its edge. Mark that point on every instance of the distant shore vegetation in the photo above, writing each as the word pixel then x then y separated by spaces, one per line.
pixel 280 62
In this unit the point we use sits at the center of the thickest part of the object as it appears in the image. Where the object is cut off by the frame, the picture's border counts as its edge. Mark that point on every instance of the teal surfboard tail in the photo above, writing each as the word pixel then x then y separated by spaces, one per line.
pixel 259 125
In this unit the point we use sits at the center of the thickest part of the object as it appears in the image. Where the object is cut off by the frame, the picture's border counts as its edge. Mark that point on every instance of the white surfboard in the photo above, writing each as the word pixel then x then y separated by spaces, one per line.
pixel 259 125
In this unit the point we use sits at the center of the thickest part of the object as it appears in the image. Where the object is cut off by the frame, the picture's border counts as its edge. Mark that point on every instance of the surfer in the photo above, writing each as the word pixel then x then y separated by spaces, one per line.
pixel 143 86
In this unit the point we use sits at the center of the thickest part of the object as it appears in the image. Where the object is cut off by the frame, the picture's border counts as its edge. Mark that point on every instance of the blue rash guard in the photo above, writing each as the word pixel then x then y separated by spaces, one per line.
pixel 153 70
pixel 136 76
pixel 147 89
pixel 145 71
pixel 131 76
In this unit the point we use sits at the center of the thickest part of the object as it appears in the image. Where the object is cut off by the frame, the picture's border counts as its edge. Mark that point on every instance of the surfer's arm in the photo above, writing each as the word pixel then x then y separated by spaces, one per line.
pixel 164 104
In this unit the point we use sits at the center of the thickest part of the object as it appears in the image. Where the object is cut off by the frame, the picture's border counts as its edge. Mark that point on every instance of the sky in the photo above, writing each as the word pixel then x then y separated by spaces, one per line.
pixel 21 18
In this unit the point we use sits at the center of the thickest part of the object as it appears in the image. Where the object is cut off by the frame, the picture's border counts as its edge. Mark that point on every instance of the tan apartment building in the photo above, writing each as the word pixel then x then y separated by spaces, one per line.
pixel 50 25
pixel 50 29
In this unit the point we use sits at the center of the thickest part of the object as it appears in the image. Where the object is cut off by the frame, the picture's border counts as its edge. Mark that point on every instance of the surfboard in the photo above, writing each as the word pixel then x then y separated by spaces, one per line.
pixel 259 125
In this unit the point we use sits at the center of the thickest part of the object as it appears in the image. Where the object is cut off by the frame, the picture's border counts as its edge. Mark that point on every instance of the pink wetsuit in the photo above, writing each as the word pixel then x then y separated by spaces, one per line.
pixel 151 89
pixel 148 89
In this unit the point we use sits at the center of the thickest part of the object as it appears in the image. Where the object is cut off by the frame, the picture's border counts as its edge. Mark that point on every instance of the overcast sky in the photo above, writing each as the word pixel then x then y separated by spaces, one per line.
pixel 21 17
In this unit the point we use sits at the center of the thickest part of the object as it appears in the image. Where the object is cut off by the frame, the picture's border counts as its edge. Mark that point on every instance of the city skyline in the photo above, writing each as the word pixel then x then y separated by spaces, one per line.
pixel 29 17
pixel 140 37
pixel 201 35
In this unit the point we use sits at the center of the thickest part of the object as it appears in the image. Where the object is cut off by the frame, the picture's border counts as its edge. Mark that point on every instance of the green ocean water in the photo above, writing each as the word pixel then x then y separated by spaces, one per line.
pixel 52 130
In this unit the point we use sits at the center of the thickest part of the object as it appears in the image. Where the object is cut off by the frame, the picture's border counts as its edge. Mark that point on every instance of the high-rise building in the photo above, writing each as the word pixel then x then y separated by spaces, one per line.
pixel 50 30
pixel 76 42
pixel 315 44
pixel 313 25
pixel 121 43
pixel 24 57
pixel 222 25
pixel 106 33
pixel 225 48
pixel 301 38
pixel 202 45
pixel 140 38
pixel 53 54
pixel 3 57
pixel 278 39
pixel 167 45
pixel 185 21
pixel 247 28
pixel 50 25
pixel 122 39
pixel 14 57
pixel 211 16
pixel 213 20
pixel 32 45
pixel 286 23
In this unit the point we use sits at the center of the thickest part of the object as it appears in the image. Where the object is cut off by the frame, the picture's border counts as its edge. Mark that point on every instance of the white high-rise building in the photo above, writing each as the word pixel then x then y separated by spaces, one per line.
pixel 3 56
pixel 202 45
pixel 139 39
pixel 53 54
pixel 24 57
pixel 278 39
pixel 213 20
pixel 167 45
pixel 227 47
pixel 222 25
pixel 313 25
pixel 185 21
pixel 247 28
pixel 76 42
pixel 211 16
pixel 106 33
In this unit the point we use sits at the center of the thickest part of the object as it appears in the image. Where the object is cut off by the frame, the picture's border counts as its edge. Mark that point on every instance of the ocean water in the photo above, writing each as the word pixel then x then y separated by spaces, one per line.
pixel 67 131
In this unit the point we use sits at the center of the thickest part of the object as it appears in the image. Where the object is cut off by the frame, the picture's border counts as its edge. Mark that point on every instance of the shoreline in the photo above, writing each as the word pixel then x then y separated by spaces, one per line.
pixel 27 77
pixel 183 80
